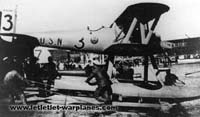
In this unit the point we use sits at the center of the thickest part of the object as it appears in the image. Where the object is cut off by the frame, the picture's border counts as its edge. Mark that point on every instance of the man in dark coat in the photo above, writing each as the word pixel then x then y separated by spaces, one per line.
pixel 103 92
pixel 33 73
pixel 171 79
pixel 15 85
pixel 126 73
pixel 51 73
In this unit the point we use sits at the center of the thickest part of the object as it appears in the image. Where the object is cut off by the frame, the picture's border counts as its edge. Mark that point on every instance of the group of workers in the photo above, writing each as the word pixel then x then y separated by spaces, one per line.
pixel 17 73
pixel 103 92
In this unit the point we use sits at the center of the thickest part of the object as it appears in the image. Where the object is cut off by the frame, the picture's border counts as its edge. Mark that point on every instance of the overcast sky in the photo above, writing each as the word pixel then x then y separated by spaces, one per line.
pixel 50 15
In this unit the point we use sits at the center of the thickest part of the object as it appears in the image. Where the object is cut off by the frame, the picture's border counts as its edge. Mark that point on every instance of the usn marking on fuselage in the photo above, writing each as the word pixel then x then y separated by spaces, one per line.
pixel 50 41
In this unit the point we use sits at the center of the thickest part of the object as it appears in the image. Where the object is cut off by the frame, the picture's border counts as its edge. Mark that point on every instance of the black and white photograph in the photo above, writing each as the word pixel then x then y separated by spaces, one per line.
pixel 99 58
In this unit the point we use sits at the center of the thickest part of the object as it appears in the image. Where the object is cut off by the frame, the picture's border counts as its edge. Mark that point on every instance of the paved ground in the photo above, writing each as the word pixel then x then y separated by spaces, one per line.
pixel 189 108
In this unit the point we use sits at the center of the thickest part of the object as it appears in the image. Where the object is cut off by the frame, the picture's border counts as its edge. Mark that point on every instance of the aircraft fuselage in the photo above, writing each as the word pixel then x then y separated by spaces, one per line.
pixel 96 41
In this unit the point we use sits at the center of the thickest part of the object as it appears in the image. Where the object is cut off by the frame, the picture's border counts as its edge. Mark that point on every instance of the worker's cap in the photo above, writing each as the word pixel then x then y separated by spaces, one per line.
pixel 50 58
pixel 34 58
pixel 5 58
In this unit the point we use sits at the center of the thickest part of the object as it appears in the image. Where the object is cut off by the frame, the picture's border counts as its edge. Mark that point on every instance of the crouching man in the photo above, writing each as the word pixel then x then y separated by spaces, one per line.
pixel 103 92
pixel 172 79
pixel 15 85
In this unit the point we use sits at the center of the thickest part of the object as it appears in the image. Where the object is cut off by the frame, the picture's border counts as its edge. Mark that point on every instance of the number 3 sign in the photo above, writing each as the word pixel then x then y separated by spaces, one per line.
pixel 7 18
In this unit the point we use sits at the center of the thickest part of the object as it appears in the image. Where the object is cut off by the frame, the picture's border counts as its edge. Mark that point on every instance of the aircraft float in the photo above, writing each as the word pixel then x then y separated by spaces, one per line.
pixel 131 34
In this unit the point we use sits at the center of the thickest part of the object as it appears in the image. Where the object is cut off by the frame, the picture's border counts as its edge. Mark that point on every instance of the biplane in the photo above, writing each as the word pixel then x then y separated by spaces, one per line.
pixel 131 34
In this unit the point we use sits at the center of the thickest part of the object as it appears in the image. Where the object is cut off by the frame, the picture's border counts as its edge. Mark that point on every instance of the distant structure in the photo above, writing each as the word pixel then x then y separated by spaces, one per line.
pixel 186 46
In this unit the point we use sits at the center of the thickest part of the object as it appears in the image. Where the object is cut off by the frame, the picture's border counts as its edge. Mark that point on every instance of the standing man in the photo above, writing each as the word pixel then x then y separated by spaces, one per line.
pixel 33 73
pixel 126 72
pixel 103 92
pixel 51 73
pixel 32 69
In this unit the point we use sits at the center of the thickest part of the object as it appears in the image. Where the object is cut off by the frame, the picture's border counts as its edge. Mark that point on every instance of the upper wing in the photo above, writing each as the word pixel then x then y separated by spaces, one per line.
pixel 144 12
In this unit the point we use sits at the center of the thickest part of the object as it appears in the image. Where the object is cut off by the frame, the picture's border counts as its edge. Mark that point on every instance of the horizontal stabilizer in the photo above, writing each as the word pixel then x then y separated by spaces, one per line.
pixel 21 39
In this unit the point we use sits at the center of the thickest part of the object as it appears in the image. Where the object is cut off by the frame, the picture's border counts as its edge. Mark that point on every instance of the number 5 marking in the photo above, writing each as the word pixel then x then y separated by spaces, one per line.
pixel 82 44
pixel 9 20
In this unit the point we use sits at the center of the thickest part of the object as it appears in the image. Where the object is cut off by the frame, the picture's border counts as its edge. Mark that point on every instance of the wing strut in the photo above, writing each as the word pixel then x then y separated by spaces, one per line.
pixel 146 64
pixel 145 40
pixel 110 63
pixel 130 31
